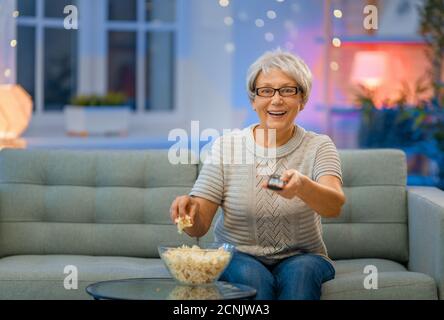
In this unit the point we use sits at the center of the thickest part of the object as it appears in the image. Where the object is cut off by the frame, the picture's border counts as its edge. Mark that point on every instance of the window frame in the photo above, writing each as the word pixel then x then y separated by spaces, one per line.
pixel 92 72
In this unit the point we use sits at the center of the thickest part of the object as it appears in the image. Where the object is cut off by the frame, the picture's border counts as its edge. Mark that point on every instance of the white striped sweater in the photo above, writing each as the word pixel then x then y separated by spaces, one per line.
pixel 256 220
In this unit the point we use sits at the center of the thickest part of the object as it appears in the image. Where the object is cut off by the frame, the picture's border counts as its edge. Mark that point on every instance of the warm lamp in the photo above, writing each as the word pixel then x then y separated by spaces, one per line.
pixel 15 114
pixel 369 68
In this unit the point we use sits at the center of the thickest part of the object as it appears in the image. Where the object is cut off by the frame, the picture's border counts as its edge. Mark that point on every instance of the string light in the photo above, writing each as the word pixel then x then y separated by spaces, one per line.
pixel 271 14
pixel 228 21
pixel 7 73
pixel 15 14
pixel 224 3
pixel 13 43
pixel 334 66
pixel 269 36
pixel 259 23
pixel 336 42
pixel 337 13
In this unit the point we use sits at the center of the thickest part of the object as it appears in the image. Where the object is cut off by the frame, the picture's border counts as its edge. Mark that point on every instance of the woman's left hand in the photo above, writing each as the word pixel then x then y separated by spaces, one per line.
pixel 294 182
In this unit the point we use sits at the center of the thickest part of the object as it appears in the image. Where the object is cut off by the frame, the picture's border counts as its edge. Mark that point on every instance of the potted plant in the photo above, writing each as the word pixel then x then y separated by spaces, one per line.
pixel 431 13
pixel 97 115
pixel 433 122
pixel 395 124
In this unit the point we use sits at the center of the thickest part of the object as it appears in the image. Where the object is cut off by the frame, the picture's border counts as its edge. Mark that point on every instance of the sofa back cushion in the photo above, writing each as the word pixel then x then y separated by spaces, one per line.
pixel 117 203
pixel 373 222
pixel 89 202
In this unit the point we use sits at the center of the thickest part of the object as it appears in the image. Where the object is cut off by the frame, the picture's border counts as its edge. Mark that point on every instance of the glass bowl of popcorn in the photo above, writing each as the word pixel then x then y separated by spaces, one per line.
pixel 196 265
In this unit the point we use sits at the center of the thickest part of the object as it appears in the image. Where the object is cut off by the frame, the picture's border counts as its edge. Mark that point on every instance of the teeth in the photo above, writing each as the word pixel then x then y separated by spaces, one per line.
pixel 277 113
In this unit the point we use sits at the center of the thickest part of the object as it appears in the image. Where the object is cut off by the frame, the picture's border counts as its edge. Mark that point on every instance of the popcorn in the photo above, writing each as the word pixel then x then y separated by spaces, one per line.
pixel 183 223
pixel 195 265
pixel 195 293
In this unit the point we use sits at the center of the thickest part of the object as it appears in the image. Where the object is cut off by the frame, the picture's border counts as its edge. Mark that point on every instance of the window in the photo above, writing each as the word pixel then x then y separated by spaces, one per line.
pixel 145 29
pixel 160 83
pixel 26 65
pixel 132 43
pixel 26 7
pixel 46 53
pixel 122 64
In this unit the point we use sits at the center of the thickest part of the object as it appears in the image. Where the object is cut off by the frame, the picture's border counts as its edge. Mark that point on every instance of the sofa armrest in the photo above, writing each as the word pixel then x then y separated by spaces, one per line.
pixel 426 233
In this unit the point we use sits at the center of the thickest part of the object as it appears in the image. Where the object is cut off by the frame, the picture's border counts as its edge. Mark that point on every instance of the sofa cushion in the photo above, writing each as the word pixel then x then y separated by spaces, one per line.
pixel 366 240
pixel 90 202
pixel 373 221
pixel 42 277
pixel 395 282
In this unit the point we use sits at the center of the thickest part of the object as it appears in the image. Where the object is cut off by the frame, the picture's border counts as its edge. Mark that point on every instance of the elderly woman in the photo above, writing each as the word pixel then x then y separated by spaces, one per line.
pixel 277 233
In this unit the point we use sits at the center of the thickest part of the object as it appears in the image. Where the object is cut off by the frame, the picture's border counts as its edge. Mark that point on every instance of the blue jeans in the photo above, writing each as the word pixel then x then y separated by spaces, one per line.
pixel 298 277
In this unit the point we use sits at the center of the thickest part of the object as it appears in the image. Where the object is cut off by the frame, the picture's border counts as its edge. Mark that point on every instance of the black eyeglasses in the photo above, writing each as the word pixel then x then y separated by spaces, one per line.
pixel 283 92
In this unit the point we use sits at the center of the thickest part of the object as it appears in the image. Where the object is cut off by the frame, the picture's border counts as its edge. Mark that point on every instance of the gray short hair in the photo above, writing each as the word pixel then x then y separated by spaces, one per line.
pixel 289 63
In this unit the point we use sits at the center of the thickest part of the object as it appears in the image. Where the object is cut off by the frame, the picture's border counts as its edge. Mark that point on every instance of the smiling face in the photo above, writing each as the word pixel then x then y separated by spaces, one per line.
pixel 277 112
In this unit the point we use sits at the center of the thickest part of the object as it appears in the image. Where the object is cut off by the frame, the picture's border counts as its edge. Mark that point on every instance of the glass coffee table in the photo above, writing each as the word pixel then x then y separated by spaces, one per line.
pixel 167 289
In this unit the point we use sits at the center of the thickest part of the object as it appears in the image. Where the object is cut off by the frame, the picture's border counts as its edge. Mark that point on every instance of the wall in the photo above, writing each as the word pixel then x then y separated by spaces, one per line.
pixel 297 28
pixel 7 34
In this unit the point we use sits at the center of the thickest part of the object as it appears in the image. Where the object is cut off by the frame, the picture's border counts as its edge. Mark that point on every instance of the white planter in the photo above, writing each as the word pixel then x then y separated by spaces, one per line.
pixel 103 120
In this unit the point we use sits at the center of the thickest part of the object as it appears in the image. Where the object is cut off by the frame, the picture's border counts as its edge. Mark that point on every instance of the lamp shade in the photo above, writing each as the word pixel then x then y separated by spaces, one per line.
pixel 15 111
pixel 369 68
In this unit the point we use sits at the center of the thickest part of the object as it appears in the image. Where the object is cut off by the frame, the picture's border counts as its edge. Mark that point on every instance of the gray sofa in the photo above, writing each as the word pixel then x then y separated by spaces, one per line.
pixel 105 212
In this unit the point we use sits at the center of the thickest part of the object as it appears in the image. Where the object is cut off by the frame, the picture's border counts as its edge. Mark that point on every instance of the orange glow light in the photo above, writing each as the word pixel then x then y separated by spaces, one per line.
pixel 369 68
pixel 15 111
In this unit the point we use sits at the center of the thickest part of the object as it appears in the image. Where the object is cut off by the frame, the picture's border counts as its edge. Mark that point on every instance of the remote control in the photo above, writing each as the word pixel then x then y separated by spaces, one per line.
pixel 275 182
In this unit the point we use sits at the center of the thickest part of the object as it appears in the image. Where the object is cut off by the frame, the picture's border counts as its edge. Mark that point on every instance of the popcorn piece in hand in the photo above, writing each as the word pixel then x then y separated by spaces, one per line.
pixel 183 223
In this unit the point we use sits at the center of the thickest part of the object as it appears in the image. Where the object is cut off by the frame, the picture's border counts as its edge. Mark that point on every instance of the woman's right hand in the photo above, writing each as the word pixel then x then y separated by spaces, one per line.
pixel 184 206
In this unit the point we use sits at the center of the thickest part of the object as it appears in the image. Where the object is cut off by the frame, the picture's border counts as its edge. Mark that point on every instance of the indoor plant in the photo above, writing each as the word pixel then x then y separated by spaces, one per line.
pixel 416 128
pixel 97 115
